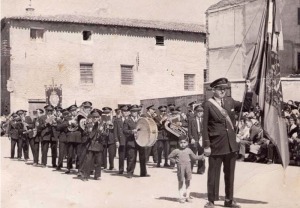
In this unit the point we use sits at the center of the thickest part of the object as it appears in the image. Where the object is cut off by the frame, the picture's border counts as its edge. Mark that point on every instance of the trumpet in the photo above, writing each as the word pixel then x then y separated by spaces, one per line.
pixel 51 120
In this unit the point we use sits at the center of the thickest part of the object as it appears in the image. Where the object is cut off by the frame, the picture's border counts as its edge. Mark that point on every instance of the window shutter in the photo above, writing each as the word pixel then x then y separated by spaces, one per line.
pixel 189 82
pixel 86 73
pixel 126 75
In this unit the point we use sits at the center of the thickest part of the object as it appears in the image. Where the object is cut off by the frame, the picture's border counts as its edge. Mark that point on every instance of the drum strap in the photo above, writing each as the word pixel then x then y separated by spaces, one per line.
pixel 222 111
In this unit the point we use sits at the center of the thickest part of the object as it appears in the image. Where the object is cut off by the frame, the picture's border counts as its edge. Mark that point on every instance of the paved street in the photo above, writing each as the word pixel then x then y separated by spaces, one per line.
pixel 25 186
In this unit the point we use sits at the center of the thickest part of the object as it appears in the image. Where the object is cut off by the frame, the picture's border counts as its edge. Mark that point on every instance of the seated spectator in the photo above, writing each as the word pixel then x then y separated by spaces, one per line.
pixel 255 134
pixel 294 140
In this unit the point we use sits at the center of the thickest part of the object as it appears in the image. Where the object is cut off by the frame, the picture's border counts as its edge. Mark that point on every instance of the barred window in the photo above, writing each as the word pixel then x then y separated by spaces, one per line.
pixel 189 82
pixel 37 34
pixel 160 40
pixel 86 73
pixel 126 74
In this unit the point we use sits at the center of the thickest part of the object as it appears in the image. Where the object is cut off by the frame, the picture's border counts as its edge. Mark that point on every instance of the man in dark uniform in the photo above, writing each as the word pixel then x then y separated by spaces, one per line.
pixel 95 148
pixel 74 138
pixel 29 134
pixel 109 139
pixel 46 124
pixel 151 150
pixel 120 137
pixel 129 129
pixel 173 139
pixel 195 135
pixel 15 128
pixel 190 113
pixel 62 125
pixel 37 138
pixel 23 135
pixel 219 139
pixel 163 145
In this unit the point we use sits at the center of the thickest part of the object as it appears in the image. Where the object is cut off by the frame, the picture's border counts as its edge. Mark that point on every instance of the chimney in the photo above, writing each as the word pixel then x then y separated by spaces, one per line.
pixel 30 9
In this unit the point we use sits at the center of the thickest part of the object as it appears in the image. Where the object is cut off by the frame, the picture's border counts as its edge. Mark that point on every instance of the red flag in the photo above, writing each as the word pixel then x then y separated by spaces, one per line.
pixel 264 74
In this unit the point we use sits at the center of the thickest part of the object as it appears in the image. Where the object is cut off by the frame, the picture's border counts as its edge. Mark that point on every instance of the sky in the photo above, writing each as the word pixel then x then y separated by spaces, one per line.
pixel 186 11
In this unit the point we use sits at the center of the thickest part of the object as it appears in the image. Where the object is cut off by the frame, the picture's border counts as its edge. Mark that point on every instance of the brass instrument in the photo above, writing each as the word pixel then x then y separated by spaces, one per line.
pixel 73 124
pixel 173 125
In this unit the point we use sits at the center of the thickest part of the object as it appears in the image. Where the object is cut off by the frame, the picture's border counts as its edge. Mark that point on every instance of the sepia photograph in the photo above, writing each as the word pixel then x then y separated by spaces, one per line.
pixel 150 103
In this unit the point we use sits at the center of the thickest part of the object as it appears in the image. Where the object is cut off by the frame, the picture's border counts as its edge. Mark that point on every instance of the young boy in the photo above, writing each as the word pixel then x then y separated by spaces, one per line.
pixel 182 157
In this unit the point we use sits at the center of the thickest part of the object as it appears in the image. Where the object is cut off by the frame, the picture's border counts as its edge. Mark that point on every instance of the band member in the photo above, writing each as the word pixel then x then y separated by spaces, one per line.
pixel 74 139
pixel 62 126
pixel 23 135
pixel 120 137
pixel 195 136
pixel 190 113
pixel 163 145
pixel 85 113
pixel 173 140
pixel 29 136
pixel 130 131
pixel 219 139
pixel 171 107
pixel 37 138
pixel 182 118
pixel 95 148
pixel 46 124
pixel 109 139
pixel 15 128
pixel 151 150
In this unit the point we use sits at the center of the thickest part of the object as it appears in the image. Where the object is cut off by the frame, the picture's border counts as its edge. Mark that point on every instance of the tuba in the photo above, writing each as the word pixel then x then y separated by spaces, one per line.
pixel 172 126
pixel 78 121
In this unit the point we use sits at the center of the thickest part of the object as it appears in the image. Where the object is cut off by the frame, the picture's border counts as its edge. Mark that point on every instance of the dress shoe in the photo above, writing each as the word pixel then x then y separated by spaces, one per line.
pixel 147 175
pixel 58 168
pixel 269 162
pixel 158 165
pixel 231 203
pixel 19 159
pixel 26 160
pixel 54 166
pixel 79 174
pixel 209 205
pixel 44 166
pixel 34 164
pixel 129 176
pixel 200 172
pixel 166 165
pixel 97 178
pixel 111 168
pixel 120 172
pixel 68 171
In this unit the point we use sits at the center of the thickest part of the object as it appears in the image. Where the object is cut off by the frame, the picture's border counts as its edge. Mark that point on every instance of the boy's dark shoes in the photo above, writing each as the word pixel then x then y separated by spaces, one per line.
pixel 231 203
pixel 209 205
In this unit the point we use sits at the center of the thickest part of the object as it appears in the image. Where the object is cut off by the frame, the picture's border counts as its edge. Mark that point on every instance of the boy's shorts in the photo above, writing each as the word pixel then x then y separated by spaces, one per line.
pixel 184 172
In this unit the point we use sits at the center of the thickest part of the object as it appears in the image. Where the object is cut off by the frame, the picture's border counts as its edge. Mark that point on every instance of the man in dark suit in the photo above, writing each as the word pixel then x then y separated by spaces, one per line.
pixel 219 139
pixel 37 138
pixel 195 135
pixel 129 129
pixel 14 129
pixel 163 145
pixel 109 139
pixel 153 149
pixel 120 137
pixel 46 124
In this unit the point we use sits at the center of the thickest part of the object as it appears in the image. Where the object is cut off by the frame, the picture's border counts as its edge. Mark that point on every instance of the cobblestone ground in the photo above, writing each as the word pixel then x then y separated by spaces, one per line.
pixel 25 186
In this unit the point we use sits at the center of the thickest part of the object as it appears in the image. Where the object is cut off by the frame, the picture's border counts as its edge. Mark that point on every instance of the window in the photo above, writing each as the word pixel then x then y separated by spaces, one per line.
pixel 36 34
pixel 86 73
pixel 160 40
pixel 189 82
pixel 205 75
pixel 298 16
pixel 87 35
pixel 126 75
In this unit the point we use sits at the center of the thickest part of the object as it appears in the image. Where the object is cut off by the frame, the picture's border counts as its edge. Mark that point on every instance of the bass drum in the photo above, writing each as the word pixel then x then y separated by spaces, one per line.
pixel 147 132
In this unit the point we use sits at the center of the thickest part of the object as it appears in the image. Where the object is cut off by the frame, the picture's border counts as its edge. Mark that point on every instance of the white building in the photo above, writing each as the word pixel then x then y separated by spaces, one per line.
pixel 106 61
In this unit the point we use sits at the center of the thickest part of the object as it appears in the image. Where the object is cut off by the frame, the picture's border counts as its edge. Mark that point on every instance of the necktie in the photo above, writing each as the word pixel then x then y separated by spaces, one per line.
pixel 222 103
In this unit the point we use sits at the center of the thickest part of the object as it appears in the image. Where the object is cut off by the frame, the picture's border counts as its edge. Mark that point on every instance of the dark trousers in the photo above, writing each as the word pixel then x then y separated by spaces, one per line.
pixel 92 161
pixel 36 152
pixel 122 154
pixel 152 150
pixel 131 159
pixel 74 150
pixel 196 148
pixel 45 147
pixel 25 147
pixel 173 145
pixel 163 146
pixel 62 153
pixel 111 150
pixel 31 144
pixel 19 147
pixel 214 170
pixel 82 158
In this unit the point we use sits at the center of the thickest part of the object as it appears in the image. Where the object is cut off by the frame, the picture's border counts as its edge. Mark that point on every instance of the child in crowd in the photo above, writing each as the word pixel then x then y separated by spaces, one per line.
pixel 182 157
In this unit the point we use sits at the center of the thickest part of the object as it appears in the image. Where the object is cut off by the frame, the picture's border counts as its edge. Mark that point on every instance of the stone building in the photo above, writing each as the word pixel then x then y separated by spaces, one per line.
pixel 107 61
pixel 232 29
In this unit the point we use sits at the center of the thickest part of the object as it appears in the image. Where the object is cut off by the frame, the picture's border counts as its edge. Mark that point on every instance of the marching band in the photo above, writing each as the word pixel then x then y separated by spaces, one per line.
pixel 89 138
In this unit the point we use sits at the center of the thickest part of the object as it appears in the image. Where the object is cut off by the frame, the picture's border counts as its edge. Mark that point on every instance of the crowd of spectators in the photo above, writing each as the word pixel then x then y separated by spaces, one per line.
pixel 255 146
